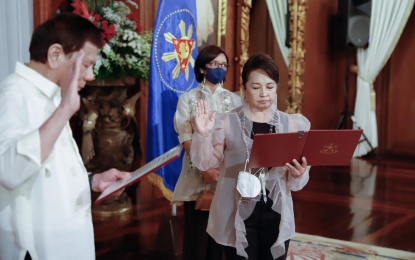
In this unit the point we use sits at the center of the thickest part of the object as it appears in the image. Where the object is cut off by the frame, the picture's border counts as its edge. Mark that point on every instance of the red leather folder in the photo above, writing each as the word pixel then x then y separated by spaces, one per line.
pixel 152 166
pixel 319 147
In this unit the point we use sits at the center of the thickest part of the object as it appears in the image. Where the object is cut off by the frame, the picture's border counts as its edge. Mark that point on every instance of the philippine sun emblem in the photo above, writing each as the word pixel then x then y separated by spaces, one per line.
pixel 183 48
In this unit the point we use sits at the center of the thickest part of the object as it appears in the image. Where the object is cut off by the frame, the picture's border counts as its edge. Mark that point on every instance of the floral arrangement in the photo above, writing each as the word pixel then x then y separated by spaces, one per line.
pixel 127 47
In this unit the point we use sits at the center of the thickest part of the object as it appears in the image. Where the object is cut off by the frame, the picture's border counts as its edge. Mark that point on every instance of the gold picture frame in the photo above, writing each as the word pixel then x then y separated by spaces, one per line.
pixel 296 57
pixel 222 12
pixel 245 18
pixel 211 22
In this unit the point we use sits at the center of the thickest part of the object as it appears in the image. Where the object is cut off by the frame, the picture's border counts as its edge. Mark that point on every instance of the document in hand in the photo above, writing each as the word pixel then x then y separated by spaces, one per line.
pixel 152 166
pixel 319 147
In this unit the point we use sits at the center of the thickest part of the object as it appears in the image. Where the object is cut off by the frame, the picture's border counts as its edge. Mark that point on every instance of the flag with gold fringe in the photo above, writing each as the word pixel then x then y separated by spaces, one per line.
pixel 173 54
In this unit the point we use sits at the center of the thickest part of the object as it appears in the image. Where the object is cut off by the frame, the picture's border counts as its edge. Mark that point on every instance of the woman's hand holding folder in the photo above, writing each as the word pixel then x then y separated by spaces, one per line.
pixel 298 169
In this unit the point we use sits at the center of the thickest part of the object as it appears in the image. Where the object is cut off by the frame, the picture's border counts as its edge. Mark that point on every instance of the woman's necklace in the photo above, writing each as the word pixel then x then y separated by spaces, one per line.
pixel 262 174
pixel 249 185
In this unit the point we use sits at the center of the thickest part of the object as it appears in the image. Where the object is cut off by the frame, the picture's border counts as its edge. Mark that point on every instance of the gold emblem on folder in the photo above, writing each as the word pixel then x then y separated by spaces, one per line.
pixel 330 149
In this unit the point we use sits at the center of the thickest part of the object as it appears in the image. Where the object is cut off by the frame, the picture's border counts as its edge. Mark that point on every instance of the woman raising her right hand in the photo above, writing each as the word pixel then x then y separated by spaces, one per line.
pixel 211 66
pixel 254 226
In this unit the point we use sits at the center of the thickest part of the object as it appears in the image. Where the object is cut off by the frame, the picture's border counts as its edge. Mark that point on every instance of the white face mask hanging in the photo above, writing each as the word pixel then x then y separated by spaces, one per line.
pixel 248 185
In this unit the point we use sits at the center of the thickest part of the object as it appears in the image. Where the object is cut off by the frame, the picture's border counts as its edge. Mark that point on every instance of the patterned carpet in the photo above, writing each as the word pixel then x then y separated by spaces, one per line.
pixel 307 247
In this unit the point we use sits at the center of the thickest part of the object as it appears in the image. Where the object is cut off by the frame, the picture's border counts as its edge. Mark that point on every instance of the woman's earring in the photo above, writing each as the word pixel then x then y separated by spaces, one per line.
pixel 244 96
pixel 204 82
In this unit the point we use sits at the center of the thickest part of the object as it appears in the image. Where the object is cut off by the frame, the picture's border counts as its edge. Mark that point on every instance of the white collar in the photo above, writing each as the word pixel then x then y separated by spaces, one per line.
pixel 206 89
pixel 48 87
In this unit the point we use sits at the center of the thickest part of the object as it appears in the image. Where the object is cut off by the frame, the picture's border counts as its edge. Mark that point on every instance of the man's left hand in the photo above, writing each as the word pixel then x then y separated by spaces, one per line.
pixel 102 181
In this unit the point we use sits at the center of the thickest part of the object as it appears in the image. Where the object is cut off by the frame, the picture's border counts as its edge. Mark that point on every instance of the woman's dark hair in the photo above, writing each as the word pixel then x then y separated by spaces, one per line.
pixel 205 56
pixel 263 62
pixel 67 29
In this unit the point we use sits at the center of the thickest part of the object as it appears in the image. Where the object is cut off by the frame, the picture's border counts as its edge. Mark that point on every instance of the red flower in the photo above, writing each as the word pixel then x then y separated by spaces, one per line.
pixel 97 17
pixel 81 8
pixel 77 6
pixel 103 37
pixel 110 32
pixel 104 24
pixel 133 18
pixel 107 31
pixel 139 27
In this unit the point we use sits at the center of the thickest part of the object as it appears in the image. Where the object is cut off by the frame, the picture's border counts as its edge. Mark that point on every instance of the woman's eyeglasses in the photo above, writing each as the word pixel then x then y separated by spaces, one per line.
pixel 215 65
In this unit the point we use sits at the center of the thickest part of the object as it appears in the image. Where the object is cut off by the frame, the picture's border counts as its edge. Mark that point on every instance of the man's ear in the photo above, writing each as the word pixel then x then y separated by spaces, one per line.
pixel 55 55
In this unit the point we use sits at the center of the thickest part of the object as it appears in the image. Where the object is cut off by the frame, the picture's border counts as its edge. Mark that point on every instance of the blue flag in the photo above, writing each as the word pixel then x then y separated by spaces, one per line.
pixel 173 54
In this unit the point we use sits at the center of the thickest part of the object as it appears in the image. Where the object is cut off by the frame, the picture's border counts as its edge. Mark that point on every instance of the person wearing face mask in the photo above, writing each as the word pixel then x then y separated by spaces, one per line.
pixel 210 70
pixel 250 223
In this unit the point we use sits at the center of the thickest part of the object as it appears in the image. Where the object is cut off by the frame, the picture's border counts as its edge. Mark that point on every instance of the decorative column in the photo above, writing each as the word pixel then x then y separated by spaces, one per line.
pixel 297 55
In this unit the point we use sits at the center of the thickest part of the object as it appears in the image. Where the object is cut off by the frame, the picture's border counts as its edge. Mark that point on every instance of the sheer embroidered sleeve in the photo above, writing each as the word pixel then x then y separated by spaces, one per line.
pixel 207 152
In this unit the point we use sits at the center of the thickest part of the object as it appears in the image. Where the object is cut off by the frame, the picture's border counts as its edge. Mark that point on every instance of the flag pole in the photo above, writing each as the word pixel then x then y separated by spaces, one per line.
pixel 173 210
